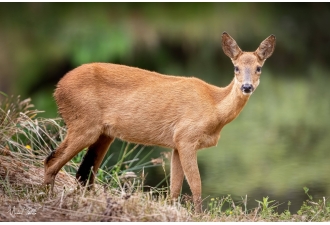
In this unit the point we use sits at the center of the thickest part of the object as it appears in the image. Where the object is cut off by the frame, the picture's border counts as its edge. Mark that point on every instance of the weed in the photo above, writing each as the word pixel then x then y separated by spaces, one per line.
pixel 315 211
pixel 267 207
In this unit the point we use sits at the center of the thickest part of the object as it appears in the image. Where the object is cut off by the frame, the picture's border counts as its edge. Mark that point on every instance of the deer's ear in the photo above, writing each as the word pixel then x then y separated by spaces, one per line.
pixel 266 48
pixel 230 47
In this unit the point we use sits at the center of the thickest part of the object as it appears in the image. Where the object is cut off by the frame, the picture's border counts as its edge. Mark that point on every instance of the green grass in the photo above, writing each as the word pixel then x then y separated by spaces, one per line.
pixel 119 190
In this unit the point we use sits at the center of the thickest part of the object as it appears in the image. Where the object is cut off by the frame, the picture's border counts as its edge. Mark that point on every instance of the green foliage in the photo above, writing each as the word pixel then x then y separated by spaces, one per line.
pixel 306 189
pixel 267 210
pixel 267 207
pixel 128 166
pixel 286 215
pixel 315 211
pixel 223 206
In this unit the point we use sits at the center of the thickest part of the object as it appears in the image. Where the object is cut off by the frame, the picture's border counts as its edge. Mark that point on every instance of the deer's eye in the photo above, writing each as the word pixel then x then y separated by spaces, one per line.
pixel 236 69
pixel 258 69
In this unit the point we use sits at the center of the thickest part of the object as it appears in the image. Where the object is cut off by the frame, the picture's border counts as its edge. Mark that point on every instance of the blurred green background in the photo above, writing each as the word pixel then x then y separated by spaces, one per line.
pixel 278 144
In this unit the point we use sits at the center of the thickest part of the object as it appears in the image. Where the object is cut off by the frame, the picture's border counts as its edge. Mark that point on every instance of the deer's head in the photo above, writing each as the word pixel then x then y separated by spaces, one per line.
pixel 247 65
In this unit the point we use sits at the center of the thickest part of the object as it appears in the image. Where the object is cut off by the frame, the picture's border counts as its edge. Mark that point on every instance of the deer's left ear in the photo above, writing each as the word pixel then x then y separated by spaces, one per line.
pixel 230 46
pixel 266 48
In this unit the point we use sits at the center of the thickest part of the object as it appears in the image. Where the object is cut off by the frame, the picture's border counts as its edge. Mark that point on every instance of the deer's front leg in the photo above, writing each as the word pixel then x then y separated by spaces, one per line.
pixel 188 158
pixel 176 175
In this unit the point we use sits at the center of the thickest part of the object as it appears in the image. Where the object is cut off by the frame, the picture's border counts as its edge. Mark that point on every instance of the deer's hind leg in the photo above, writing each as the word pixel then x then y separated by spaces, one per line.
pixel 75 141
pixel 93 159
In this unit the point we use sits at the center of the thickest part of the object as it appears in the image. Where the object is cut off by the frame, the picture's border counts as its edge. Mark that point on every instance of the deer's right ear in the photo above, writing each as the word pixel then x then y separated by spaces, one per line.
pixel 230 47
pixel 266 47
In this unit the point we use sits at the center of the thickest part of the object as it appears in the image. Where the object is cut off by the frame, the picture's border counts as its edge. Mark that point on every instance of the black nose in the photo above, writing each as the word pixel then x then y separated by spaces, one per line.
pixel 247 88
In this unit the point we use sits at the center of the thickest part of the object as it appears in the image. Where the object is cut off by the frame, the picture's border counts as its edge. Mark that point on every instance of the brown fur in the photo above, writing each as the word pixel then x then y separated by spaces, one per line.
pixel 103 101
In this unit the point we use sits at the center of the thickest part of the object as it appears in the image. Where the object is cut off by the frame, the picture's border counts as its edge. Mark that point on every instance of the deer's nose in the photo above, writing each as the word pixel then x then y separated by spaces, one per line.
pixel 247 88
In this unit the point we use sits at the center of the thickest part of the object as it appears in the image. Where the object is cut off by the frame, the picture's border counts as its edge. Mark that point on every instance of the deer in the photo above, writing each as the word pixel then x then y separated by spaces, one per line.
pixel 102 101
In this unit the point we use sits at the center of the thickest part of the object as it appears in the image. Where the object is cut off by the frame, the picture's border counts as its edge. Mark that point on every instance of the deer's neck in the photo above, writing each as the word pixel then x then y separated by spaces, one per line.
pixel 230 102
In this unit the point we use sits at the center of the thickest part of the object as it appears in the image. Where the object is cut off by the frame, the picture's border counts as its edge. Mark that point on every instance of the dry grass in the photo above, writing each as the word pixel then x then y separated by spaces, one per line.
pixel 22 192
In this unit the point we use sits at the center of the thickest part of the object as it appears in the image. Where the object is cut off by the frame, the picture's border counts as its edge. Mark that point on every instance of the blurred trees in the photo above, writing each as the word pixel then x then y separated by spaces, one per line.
pixel 40 42
pixel 284 127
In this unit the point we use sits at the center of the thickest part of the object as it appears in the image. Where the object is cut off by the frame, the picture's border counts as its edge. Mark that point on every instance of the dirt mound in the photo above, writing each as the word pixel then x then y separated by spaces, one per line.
pixel 23 196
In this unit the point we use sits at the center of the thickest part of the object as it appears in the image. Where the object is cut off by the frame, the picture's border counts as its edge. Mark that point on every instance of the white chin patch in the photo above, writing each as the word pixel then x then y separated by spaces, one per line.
pixel 244 93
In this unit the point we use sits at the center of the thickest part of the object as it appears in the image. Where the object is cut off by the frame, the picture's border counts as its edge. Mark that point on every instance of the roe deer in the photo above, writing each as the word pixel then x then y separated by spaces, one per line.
pixel 101 101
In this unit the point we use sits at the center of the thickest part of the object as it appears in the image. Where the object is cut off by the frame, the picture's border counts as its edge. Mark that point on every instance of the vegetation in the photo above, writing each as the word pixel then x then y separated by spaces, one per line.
pixel 119 192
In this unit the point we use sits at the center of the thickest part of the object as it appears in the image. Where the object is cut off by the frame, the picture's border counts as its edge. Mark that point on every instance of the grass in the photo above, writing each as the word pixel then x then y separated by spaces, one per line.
pixel 118 194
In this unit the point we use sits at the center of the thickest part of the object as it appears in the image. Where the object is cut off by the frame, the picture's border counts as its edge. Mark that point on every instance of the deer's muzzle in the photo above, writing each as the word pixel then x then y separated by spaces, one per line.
pixel 247 88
